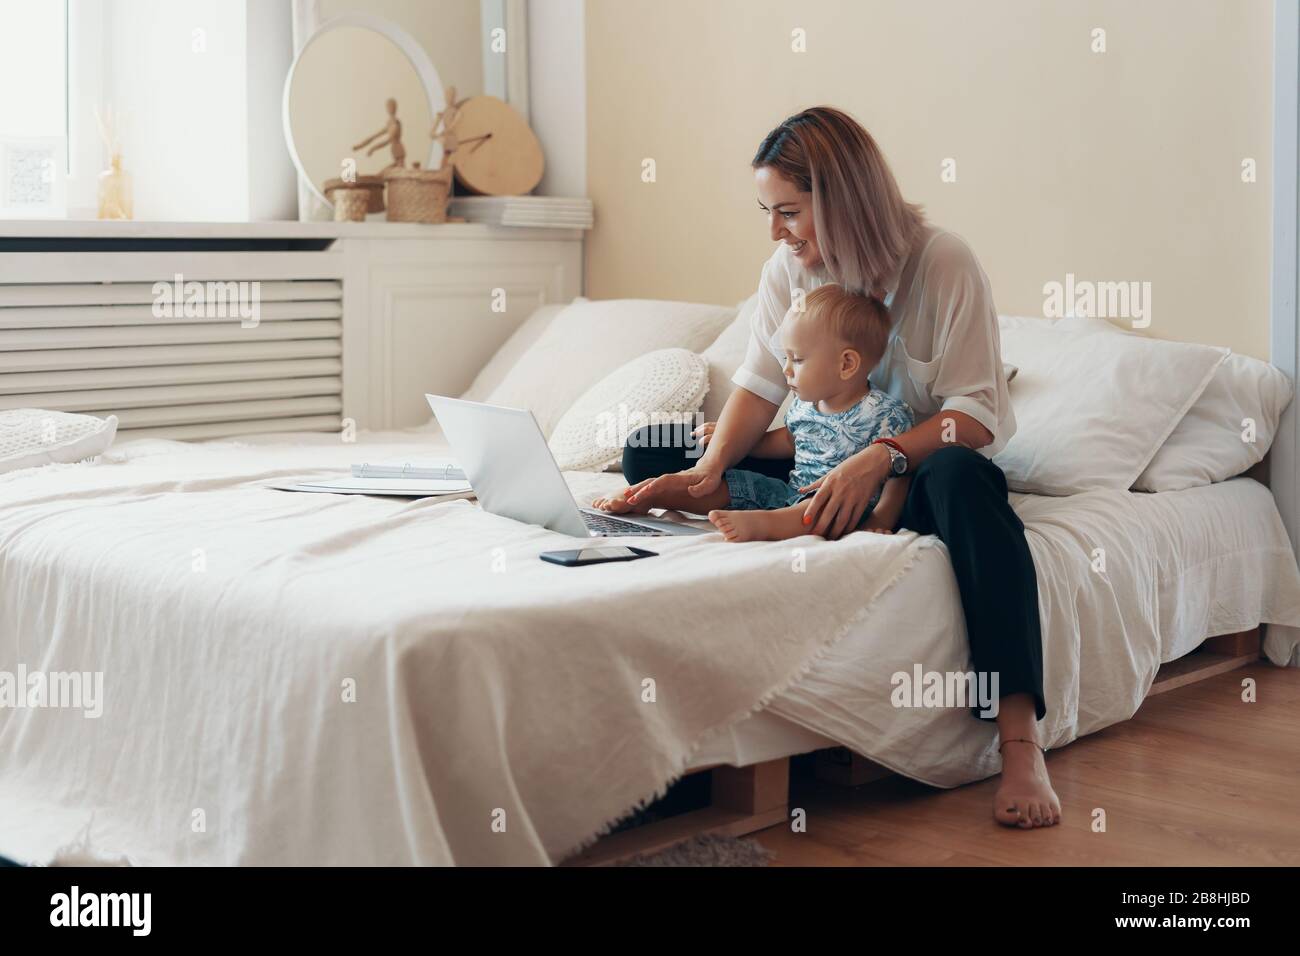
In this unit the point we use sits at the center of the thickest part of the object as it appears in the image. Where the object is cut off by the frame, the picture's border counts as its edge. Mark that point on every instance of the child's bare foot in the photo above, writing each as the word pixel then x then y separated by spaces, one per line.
pixel 879 521
pixel 760 525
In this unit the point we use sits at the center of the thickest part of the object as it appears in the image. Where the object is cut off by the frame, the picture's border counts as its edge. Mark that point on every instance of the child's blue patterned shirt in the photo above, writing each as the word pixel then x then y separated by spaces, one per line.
pixel 823 440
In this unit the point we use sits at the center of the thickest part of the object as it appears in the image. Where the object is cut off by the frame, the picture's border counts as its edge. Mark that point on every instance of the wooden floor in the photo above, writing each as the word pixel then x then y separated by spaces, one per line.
pixel 1196 778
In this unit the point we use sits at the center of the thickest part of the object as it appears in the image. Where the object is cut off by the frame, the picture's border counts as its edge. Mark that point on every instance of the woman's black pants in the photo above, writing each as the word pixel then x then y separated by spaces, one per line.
pixel 957 494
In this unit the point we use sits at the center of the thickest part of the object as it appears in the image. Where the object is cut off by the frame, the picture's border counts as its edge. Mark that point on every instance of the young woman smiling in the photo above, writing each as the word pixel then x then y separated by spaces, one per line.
pixel 836 211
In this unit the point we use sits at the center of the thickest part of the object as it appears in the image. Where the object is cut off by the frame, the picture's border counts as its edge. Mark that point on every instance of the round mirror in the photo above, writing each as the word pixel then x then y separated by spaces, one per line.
pixel 358 84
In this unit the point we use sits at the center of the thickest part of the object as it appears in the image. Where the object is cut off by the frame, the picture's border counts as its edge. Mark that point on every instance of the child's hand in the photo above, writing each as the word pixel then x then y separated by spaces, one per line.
pixel 704 433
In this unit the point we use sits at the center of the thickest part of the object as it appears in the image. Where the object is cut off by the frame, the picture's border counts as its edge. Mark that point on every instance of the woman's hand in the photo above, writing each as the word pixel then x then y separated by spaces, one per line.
pixel 843 495
pixel 703 477
pixel 700 480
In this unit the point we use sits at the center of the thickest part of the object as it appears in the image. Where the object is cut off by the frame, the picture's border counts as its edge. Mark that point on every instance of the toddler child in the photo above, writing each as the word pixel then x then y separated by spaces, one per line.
pixel 830 349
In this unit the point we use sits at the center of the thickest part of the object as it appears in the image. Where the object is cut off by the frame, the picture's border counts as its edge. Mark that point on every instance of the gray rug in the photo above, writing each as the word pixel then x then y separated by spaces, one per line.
pixel 706 850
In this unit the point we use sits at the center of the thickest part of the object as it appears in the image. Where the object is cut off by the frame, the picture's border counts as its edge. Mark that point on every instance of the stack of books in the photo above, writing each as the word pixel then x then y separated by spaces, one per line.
pixel 535 211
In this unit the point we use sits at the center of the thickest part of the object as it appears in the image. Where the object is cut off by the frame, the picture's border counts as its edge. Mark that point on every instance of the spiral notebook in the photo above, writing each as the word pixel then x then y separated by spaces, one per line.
pixel 425 470
pixel 403 479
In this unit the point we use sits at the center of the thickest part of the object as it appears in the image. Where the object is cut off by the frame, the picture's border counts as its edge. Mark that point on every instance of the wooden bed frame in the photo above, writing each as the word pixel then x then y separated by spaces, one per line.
pixel 748 799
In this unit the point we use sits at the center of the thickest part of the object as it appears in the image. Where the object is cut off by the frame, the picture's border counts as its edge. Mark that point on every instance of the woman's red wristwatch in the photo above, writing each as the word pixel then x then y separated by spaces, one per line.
pixel 897 457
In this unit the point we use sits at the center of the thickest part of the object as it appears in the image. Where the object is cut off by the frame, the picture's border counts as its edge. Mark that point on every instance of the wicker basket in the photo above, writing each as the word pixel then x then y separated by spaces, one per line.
pixel 350 204
pixel 418 195
pixel 366 193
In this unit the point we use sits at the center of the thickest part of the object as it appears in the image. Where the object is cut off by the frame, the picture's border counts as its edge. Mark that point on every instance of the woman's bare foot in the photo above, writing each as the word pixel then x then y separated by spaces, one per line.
pixel 1025 797
pixel 774 525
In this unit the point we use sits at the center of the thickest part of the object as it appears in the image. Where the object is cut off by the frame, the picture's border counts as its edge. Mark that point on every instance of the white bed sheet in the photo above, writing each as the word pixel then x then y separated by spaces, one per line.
pixel 323 679
pixel 1223 564
pixel 1124 616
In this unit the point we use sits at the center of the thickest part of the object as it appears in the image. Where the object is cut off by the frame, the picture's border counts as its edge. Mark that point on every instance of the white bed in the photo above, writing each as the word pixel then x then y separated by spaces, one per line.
pixel 225 680
pixel 1222 563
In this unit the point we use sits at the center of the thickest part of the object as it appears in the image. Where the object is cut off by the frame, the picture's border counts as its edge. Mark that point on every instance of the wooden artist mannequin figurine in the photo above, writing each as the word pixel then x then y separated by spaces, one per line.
pixel 392 136
pixel 447 119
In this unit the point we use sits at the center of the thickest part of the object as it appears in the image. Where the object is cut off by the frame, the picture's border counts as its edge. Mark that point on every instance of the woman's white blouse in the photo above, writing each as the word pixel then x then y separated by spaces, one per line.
pixel 944 352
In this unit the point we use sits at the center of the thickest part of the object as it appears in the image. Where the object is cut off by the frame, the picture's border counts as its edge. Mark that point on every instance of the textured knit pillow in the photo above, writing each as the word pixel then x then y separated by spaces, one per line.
pixel 33 436
pixel 666 385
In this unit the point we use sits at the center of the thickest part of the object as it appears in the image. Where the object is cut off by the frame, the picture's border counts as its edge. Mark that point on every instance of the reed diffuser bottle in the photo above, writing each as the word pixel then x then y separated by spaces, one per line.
pixel 116 198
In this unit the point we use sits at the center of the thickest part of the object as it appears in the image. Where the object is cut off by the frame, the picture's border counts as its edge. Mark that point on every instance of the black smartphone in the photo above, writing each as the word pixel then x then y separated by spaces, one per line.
pixel 600 555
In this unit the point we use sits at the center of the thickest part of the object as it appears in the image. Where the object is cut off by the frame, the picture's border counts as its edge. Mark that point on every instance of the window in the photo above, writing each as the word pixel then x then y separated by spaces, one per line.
pixel 33 108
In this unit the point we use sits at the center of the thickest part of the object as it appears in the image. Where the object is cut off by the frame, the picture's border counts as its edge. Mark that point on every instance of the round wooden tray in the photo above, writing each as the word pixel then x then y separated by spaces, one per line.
pixel 507 163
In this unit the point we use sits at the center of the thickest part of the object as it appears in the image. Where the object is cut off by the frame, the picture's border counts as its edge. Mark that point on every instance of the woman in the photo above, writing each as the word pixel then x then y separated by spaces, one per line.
pixel 836 210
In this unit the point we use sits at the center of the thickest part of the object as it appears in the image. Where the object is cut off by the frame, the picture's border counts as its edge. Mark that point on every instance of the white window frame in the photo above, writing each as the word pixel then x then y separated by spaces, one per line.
pixel 86 84
pixel 1284 342
pixel 506 77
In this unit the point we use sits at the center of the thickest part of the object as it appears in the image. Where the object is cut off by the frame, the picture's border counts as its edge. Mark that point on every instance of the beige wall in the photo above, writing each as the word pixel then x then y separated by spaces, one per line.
pixel 1123 165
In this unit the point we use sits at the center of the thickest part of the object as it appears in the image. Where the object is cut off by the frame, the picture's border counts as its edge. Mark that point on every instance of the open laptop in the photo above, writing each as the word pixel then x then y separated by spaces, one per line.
pixel 513 473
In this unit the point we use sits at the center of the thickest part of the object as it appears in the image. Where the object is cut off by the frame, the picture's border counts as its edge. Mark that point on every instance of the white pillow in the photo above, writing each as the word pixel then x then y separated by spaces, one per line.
pixel 589 339
pixel 1210 443
pixel 724 357
pixel 1093 406
pixel 503 360
pixel 667 385
pixel 30 437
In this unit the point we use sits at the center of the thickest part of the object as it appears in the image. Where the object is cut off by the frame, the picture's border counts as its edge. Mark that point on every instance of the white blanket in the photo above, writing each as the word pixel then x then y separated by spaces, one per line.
pixel 305 678
pixel 1178 567
pixel 230 621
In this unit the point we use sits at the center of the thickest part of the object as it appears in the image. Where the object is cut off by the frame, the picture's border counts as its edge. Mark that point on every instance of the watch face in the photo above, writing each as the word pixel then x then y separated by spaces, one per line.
pixel 900 463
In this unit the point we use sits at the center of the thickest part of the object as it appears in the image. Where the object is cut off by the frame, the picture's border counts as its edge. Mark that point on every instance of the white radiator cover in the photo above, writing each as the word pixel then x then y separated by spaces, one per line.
pixel 352 334
pixel 88 345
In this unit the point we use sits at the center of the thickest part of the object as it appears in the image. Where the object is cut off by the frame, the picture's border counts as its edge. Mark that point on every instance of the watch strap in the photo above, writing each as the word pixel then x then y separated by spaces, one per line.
pixel 896 450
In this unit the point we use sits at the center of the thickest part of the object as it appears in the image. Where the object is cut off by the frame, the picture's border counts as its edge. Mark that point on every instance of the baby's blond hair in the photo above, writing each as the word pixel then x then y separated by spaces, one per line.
pixel 860 321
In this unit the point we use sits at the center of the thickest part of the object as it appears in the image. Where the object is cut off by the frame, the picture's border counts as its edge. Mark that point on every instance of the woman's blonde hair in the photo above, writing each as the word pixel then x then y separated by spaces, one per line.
pixel 865 228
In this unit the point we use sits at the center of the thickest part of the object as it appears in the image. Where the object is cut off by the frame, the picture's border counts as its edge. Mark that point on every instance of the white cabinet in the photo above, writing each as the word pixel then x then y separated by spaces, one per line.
pixel 424 315
pixel 360 319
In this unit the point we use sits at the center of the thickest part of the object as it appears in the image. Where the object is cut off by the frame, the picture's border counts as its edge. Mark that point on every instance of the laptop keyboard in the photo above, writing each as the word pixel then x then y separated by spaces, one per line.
pixel 611 525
